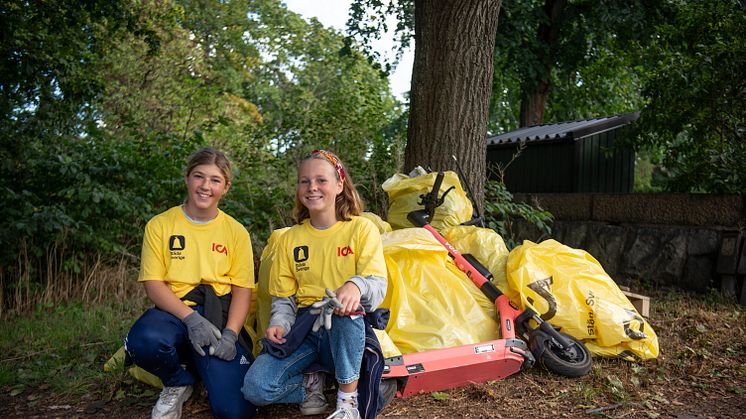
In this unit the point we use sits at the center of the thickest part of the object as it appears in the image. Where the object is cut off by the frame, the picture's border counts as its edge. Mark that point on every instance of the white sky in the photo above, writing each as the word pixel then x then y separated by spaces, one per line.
pixel 334 13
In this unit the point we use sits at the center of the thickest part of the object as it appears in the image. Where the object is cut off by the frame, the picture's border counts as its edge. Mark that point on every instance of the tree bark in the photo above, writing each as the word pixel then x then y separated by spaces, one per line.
pixel 451 88
pixel 535 92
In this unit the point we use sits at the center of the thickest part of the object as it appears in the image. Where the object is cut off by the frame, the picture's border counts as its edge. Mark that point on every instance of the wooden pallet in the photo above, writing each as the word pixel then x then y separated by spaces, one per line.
pixel 640 302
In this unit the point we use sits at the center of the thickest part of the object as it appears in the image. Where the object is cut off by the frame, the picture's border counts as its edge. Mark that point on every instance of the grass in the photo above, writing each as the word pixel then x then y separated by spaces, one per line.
pixel 62 348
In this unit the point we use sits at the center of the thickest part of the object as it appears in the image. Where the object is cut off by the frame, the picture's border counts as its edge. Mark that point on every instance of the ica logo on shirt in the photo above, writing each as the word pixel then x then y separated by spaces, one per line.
pixel 344 251
pixel 219 248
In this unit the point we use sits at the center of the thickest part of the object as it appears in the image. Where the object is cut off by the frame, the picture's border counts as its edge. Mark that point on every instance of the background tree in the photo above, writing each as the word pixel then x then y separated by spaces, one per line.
pixel 451 83
pixel 569 59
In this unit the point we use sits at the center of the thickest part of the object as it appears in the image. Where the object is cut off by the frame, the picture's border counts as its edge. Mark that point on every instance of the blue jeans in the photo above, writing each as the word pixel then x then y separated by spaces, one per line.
pixel 340 349
pixel 159 343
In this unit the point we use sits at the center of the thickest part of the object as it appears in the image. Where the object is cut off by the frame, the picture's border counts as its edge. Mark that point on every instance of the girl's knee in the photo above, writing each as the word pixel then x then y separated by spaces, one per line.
pixel 145 345
pixel 137 347
pixel 257 390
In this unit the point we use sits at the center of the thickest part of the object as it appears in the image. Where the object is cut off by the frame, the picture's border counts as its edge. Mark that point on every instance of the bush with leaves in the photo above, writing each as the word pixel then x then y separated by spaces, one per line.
pixel 694 119
pixel 501 212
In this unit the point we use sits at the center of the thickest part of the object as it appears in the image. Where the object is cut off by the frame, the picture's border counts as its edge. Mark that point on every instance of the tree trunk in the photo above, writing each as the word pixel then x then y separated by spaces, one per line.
pixel 535 92
pixel 533 104
pixel 451 88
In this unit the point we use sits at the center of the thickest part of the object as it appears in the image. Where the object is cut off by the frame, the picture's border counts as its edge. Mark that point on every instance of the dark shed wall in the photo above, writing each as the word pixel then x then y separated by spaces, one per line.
pixel 547 167
pixel 602 167
pixel 572 156
pixel 589 164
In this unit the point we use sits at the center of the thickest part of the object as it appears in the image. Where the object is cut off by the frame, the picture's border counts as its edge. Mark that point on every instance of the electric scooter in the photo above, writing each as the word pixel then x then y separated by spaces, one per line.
pixel 525 336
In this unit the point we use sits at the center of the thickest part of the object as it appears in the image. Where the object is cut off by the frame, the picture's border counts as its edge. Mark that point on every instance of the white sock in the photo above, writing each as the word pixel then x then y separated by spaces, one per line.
pixel 347 398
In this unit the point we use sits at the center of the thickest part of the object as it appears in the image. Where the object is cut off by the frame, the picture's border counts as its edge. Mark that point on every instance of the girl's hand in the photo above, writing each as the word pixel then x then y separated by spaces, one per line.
pixel 275 334
pixel 349 295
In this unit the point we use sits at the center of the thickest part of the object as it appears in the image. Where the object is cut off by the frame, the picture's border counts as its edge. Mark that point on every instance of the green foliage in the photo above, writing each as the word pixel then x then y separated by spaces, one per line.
pixel 314 96
pixel 646 179
pixel 501 212
pixel 47 53
pixel 439 395
pixel 696 94
pixel 581 58
pixel 102 104
pixel 368 22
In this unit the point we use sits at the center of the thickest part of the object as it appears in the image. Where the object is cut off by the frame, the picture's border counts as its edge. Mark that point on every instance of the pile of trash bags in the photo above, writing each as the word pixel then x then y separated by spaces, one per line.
pixel 434 305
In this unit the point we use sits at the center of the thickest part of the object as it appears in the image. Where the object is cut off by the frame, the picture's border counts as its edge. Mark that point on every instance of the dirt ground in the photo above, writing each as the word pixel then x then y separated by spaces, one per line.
pixel 700 373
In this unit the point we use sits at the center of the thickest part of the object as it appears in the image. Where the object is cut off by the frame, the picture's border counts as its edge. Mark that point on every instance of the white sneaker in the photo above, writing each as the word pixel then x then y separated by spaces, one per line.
pixel 170 402
pixel 315 402
pixel 345 411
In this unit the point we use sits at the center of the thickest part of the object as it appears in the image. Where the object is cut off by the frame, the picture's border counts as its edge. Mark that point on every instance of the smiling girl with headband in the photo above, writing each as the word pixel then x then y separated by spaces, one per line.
pixel 331 259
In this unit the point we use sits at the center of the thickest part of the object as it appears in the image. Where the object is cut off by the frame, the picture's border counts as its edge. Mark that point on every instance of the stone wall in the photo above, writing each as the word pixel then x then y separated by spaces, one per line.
pixel 664 239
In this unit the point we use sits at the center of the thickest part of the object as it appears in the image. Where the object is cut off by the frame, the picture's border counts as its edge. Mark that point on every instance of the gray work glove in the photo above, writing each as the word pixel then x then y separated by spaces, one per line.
pixel 325 309
pixel 226 347
pixel 201 332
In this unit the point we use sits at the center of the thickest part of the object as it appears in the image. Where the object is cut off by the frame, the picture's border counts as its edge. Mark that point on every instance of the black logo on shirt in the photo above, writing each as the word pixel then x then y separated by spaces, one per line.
pixel 176 243
pixel 300 254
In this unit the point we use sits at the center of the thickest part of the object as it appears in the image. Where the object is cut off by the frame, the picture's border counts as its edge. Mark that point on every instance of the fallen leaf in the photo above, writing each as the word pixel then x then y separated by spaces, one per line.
pixel 437 395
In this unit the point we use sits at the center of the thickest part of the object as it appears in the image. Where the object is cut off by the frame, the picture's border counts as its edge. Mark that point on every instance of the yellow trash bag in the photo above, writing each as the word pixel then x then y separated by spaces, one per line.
pixel 569 288
pixel 433 304
pixel 404 194
pixel 383 226
pixel 263 299
pixel 117 361
pixel 485 245
pixel 388 348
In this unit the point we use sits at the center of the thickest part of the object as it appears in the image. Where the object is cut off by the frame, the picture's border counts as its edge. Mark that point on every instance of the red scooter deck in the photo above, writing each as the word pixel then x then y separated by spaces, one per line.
pixel 458 366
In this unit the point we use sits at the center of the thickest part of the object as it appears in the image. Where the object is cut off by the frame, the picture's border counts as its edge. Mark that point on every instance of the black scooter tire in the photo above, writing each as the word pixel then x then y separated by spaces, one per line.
pixel 388 389
pixel 575 361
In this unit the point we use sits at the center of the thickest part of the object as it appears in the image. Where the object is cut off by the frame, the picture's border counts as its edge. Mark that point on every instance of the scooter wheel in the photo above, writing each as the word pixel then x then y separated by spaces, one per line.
pixel 574 361
pixel 388 388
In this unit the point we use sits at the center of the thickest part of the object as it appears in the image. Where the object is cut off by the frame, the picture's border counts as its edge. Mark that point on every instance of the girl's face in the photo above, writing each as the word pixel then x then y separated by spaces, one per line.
pixel 318 187
pixel 206 185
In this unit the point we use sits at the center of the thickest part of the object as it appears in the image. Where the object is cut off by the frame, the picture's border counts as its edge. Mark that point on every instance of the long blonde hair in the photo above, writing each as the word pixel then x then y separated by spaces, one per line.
pixel 347 204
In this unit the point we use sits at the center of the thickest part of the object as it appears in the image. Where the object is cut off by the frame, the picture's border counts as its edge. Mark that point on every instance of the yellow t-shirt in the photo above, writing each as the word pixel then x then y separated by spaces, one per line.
pixel 309 260
pixel 184 254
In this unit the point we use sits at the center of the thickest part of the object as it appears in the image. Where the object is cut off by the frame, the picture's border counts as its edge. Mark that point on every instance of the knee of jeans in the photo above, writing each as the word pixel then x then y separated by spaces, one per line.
pixel 144 343
pixel 259 390
pixel 349 323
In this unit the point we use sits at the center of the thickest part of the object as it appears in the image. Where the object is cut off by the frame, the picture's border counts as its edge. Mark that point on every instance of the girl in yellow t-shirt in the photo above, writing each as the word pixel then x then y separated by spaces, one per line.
pixel 330 247
pixel 197 268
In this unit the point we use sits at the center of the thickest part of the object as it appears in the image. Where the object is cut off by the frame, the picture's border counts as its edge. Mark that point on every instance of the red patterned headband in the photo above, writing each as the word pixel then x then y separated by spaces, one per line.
pixel 334 160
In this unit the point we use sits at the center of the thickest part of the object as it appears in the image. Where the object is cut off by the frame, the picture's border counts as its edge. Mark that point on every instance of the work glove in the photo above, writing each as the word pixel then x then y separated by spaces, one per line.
pixel 325 309
pixel 226 347
pixel 201 332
